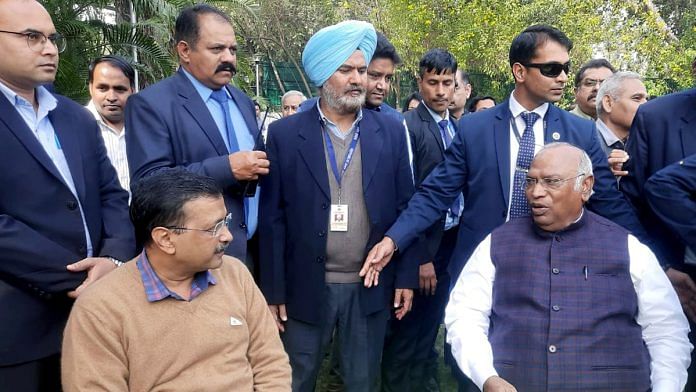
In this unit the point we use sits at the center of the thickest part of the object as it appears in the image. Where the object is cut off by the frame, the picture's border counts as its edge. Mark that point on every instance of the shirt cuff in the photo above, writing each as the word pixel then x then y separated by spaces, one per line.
pixel 481 373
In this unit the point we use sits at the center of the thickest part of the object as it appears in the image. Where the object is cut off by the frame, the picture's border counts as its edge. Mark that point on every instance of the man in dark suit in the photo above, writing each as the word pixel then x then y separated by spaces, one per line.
pixel 664 132
pixel 410 361
pixel 63 216
pixel 490 154
pixel 339 178
pixel 196 120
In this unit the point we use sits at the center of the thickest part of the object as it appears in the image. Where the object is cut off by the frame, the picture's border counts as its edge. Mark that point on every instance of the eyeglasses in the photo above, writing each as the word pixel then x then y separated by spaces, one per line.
pixel 550 70
pixel 589 83
pixel 36 40
pixel 547 183
pixel 214 231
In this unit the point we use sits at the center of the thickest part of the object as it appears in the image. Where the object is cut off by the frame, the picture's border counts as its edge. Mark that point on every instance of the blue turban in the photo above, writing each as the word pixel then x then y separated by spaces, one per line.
pixel 331 46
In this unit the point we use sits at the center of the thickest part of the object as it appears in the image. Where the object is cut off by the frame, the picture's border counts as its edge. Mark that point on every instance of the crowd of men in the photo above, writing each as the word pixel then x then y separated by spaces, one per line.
pixel 169 239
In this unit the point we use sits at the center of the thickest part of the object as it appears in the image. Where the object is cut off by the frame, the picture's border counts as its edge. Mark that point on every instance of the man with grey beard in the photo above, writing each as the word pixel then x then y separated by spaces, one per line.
pixel 340 176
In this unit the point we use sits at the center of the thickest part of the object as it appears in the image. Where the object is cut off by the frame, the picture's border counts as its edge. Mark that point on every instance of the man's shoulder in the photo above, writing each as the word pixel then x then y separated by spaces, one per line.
pixel 66 104
pixel 603 224
pixel 387 123
pixel 666 105
pixel 164 89
pixel 115 290
pixel 234 273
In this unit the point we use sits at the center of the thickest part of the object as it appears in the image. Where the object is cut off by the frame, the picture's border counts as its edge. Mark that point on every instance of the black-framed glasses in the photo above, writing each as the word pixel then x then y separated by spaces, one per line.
pixel 36 40
pixel 548 183
pixel 589 83
pixel 214 231
pixel 550 70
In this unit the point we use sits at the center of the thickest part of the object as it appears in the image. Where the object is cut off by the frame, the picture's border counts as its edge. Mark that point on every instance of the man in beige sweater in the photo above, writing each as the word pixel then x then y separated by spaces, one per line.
pixel 181 316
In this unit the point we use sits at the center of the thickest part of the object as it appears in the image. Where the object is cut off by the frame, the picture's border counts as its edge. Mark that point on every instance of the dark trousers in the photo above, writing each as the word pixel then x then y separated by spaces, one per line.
pixel 410 360
pixel 42 375
pixel 360 339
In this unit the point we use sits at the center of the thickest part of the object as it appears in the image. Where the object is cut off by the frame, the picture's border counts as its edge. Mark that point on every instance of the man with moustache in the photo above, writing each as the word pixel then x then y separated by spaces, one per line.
pixel 197 121
pixel 491 153
pixel 63 216
pixel 587 81
pixel 182 316
pixel 111 82
pixel 566 300
pixel 339 177
pixel 410 360
pixel 462 92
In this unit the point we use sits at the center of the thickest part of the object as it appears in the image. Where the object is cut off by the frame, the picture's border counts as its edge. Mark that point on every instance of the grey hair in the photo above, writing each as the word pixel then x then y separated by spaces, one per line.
pixel 584 166
pixel 612 87
pixel 290 94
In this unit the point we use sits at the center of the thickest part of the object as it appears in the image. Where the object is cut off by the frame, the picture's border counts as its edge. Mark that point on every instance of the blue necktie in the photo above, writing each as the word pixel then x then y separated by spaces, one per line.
pixel 456 207
pixel 520 206
pixel 220 96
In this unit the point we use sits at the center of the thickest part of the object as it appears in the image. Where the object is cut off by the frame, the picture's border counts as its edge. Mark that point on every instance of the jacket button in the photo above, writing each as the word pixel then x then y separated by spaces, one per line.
pixel 243 226
pixel 324 206
pixel 72 205
pixel 556 308
pixel 558 238
pixel 322 233
pixel 320 259
pixel 552 348
pixel 555 271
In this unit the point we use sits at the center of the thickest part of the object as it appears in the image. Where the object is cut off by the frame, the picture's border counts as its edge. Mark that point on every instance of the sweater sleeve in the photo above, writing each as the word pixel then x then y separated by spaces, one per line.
pixel 93 357
pixel 269 362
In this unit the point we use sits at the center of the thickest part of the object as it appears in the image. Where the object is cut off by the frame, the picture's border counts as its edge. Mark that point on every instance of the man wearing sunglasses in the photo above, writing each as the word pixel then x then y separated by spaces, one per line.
pixel 566 300
pixel 490 155
pixel 63 216
pixel 588 79
pixel 183 316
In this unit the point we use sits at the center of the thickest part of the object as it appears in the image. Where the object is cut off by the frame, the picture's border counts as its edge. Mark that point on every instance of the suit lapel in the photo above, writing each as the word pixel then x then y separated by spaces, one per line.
pixel 371 143
pixel 501 132
pixel 432 125
pixel 553 131
pixel 193 104
pixel 16 125
pixel 64 127
pixel 312 152
pixel 688 128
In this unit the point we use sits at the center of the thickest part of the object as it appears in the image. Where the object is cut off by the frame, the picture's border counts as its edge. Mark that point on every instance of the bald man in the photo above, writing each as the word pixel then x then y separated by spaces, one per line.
pixel 63 216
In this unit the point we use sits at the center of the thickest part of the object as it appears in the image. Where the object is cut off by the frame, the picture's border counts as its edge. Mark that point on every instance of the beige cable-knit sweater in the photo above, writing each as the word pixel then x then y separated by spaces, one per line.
pixel 116 340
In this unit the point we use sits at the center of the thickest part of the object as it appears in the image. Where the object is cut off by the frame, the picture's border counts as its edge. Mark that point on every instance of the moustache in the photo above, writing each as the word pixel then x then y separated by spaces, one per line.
pixel 221 248
pixel 357 88
pixel 229 67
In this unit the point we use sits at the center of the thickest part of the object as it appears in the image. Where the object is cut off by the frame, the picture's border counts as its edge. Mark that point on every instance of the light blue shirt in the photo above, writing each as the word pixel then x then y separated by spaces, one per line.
pixel 245 140
pixel 333 128
pixel 451 219
pixel 41 127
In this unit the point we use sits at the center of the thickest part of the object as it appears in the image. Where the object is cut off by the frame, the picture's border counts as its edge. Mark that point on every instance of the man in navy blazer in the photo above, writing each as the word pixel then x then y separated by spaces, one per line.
pixel 178 122
pixel 63 216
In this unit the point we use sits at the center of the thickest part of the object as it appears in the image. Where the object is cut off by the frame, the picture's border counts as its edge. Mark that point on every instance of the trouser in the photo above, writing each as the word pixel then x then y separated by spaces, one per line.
pixel 360 339
pixel 41 375
pixel 410 360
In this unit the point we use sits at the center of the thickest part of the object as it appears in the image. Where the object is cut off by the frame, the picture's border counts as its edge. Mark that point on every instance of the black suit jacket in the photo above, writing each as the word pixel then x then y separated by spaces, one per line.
pixel 169 125
pixel 41 229
pixel 428 152
pixel 663 132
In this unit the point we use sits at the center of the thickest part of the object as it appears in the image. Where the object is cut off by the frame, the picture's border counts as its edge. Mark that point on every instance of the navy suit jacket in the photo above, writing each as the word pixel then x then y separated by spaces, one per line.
pixel 428 152
pixel 663 132
pixel 41 229
pixel 169 125
pixel 671 193
pixel 295 205
pixel 477 164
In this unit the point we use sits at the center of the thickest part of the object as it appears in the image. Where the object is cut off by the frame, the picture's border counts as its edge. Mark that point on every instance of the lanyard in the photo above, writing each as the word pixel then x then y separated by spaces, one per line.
pixel 332 156
pixel 513 124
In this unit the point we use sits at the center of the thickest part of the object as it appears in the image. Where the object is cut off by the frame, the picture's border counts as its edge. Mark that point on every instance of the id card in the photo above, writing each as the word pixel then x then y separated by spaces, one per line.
pixel 339 217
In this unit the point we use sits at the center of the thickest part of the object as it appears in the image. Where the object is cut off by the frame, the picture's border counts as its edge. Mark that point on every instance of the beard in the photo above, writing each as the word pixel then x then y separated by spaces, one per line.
pixel 340 101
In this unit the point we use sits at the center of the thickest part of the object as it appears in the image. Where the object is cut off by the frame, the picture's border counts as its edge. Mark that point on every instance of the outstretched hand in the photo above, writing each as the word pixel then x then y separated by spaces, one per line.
pixel 376 260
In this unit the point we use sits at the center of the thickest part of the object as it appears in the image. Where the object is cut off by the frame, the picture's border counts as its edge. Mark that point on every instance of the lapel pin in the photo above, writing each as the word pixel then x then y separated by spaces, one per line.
pixel 234 321
pixel 556 136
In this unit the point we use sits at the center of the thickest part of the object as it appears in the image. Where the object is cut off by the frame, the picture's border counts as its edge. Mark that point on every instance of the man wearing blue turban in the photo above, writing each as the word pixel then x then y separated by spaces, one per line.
pixel 340 177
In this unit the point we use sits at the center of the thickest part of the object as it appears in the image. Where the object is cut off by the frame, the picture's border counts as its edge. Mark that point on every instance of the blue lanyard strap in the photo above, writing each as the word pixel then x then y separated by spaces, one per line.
pixel 332 154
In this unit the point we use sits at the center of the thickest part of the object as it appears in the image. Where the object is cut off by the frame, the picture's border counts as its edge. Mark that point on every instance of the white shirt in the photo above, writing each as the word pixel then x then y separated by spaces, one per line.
pixel 664 326
pixel 115 143
pixel 517 109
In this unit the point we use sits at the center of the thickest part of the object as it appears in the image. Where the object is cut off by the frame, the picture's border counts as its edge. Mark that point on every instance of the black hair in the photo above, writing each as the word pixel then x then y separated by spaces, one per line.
pixel 465 77
pixel 596 63
pixel 414 95
pixel 524 46
pixel 439 60
pixel 186 27
pixel 475 100
pixel 385 50
pixel 158 199
pixel 116 61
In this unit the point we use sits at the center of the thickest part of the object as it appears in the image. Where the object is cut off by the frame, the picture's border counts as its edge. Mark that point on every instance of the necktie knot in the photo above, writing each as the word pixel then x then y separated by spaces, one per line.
pixel 443 124
pixel 529 119
pixel 219 96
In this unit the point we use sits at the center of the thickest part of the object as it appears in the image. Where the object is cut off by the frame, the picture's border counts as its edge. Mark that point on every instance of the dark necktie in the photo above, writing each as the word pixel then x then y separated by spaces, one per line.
pixel 525 154
pixel 456 207
pixel 220 96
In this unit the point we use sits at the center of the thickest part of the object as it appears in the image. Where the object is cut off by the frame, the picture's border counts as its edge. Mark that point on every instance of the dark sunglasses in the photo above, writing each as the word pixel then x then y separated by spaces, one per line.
pixel 550 70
